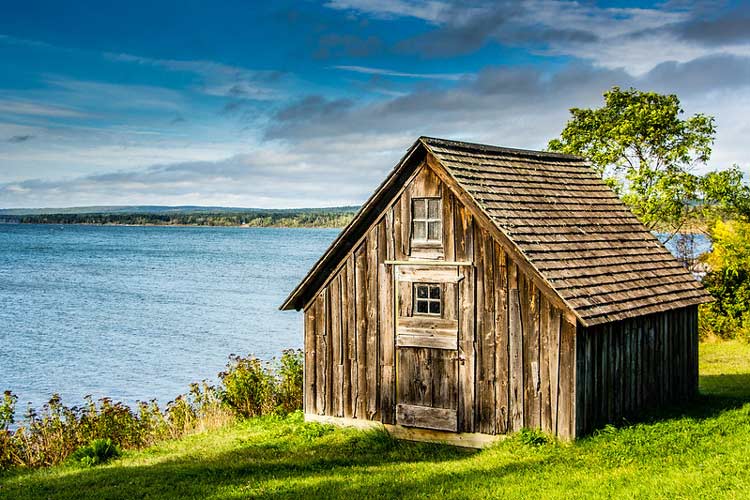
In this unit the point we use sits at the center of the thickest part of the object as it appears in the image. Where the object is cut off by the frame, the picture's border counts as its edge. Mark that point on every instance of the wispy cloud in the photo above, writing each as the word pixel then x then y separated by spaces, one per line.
pixel 117 95
pixel 29 108
pixel 431 11
pixel 218 79
pixel 398 74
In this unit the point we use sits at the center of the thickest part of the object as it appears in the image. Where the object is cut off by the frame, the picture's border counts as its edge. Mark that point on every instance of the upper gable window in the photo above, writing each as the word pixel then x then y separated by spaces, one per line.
pixel 426 221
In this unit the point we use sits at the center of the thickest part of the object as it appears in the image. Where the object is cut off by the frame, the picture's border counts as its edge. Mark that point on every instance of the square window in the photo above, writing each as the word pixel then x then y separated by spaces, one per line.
pixel 427 299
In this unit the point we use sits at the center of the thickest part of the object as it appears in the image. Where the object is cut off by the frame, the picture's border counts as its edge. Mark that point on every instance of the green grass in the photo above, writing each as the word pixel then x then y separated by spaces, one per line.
pixel 700 451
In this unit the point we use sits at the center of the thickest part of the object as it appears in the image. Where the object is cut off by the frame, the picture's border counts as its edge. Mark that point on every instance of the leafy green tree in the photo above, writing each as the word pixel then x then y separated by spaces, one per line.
pixel 728 281
pixel 726 193
pixel 639 143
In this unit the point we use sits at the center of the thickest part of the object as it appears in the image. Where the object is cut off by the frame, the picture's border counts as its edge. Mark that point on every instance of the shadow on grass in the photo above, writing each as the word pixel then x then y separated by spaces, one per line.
pixel 249 469
pixel 717 394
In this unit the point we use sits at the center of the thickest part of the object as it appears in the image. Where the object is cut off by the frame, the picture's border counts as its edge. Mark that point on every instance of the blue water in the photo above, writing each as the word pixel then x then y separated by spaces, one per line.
pixel 137 313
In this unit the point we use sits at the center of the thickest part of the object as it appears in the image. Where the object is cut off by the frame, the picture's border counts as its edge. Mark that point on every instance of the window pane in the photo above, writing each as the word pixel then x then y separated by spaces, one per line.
pixel 433 208
pixel 418 212
pixel 422 306
pixel 421 291
pixel 420 230
pixel 434 292
pixel 434 231
pixel 435 307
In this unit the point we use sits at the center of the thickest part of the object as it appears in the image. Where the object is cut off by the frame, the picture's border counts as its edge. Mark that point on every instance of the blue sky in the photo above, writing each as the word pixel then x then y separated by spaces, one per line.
pixel 288 104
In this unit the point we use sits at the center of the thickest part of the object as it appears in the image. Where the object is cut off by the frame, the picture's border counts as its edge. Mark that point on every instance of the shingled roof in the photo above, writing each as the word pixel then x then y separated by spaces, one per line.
pixel 570 226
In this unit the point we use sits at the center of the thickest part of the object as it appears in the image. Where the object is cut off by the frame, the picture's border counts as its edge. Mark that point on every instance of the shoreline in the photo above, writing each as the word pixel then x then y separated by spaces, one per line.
pixel 244 226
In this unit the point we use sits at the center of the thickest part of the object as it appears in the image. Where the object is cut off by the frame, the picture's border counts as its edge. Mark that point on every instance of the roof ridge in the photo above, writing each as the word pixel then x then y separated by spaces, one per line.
pixel 497 149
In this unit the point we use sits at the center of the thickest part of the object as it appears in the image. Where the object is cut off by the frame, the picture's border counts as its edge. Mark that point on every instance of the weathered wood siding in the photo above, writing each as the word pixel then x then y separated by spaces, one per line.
pixel 516 350
pixel 635 364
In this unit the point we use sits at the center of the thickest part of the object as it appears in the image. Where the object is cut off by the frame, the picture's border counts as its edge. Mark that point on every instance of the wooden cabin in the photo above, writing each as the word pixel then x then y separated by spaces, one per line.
pixel 481 290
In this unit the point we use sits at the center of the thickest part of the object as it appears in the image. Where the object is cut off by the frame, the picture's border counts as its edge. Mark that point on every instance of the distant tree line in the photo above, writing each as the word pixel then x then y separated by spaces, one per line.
pixel 330 218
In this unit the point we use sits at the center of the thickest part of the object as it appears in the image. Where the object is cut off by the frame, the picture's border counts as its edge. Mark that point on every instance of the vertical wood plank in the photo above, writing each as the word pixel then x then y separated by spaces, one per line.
pixel 405 221
pixel 566 419
pixel 485 328
pixel 336 347
pixel 321 351
pixel 581 381
pixel 386 326
pixel 530 317
pixel 310 362
pixel 449 233
pixel 502 373
pixel 604 389
pixel 350 359
pixel 464 244
pixel 373 375
pixel 328 342
pixel 545 349
pixel 515 342
pixel 360 282
pixel 554 367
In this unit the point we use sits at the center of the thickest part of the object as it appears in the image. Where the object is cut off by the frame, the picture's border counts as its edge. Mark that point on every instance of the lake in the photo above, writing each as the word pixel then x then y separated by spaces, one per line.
pixel 137 313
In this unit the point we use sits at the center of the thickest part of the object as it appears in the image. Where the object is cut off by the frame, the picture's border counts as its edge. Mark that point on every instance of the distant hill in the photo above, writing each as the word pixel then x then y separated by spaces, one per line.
pixel 161 209
pixel 154 215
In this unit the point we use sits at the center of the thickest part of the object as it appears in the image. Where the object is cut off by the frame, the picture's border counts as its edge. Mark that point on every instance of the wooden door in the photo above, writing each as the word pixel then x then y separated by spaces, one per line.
pixel 427 347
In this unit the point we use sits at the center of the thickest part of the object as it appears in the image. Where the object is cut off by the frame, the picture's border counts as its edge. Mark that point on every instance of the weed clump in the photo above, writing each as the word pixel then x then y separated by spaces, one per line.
pixel 99 451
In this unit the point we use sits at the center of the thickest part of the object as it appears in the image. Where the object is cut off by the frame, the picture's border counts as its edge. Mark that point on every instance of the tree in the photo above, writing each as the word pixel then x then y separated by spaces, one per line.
pixel 642 147
pixel 728 281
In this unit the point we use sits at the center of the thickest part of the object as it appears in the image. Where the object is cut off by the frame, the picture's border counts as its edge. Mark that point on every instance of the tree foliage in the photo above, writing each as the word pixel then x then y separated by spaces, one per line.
pixel 641 146
pixel 728 281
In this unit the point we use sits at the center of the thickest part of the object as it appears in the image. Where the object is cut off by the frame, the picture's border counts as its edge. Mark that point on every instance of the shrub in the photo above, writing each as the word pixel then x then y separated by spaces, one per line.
pixel 728 281
pixel 289 391
pixel 251 387
pixel 99 451
pixel 248 386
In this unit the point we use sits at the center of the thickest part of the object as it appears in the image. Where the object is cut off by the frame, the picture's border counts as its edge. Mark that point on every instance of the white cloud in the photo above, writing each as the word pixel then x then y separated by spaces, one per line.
pixel 431 11
pixel 218 79
pixel 23 107
pixel 387 72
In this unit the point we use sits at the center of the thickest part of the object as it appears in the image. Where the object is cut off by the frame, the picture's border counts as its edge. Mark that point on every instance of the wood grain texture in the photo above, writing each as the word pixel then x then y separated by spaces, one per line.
pixel 372 337
pixel 361 281
pixel 427 417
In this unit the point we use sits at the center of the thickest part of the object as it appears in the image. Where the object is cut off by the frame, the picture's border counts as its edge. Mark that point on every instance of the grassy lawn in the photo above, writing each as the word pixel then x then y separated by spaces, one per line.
pixel 701 451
